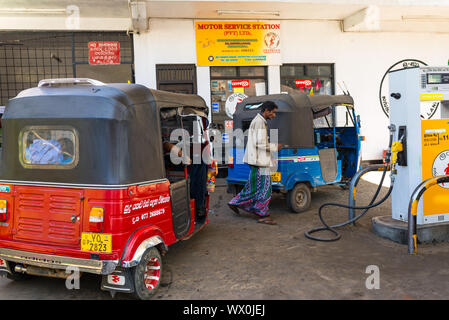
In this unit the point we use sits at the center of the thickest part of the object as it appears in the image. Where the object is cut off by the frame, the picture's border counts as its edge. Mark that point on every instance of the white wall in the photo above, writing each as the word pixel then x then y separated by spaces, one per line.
pixel 167 41
pixel 361 59
pixel 64 23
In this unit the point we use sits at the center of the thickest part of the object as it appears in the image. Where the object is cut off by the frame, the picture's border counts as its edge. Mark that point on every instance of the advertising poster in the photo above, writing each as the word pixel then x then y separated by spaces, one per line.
pixel 222 43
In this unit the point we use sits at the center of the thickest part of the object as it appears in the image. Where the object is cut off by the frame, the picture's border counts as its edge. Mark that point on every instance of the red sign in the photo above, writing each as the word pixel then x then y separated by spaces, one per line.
pixel 240 83
pixel 303 82
pixel 104 52
pixel 229 124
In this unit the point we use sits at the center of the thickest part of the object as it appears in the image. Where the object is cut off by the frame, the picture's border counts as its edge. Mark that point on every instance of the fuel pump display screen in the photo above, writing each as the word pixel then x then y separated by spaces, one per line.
pixel 438 78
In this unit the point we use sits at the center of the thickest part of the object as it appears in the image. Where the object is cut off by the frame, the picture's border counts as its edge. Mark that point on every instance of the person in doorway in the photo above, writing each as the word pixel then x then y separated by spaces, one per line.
pixel 256 194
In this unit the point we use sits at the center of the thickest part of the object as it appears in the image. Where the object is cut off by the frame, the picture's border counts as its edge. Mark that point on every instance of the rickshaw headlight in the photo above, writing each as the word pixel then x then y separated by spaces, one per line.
pixel 3 209
pixel 96 219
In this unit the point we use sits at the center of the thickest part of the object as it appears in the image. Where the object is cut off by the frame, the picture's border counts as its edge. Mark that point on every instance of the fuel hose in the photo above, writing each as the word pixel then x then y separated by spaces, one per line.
pixel 331 228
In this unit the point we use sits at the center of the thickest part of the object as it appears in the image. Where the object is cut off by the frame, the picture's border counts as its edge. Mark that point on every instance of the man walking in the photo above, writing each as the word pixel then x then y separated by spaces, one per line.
pixel 256 194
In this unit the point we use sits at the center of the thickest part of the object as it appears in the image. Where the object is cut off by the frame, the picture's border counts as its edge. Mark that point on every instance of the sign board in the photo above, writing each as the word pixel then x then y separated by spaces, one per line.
pixel 240 83
pixel 231 103
pixel 238 43
pixel 303 82
pixel 215 107
pixel 384 89
pixel 101 53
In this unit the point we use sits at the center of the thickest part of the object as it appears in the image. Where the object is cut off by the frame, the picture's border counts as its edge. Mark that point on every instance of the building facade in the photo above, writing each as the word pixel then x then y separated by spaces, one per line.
pixel 324 47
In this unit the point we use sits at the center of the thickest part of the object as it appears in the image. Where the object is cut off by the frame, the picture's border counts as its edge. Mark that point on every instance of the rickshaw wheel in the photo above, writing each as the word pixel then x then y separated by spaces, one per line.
pixel 299 198
pixel 147 274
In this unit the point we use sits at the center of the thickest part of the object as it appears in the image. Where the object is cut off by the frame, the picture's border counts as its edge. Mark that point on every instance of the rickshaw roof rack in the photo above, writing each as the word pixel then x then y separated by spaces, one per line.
pixel 65 81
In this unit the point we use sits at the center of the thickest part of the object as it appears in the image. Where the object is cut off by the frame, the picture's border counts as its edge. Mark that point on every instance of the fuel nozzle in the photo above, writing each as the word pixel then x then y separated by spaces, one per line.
pixel 398 146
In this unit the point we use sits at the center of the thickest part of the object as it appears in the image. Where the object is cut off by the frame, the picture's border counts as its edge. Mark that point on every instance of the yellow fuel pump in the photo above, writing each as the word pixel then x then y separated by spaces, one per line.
pixel 419 114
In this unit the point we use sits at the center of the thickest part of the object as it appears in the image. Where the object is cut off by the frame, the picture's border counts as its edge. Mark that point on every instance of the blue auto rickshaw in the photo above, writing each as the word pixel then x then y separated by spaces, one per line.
pixel 321 144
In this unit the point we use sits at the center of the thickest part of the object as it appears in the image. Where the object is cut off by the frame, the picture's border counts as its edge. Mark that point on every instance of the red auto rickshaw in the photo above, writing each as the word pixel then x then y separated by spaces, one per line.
pixel 84 182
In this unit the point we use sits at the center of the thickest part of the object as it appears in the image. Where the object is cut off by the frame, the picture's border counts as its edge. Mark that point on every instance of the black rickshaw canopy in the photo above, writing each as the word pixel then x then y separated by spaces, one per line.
pixel 117 128
pixel 294 119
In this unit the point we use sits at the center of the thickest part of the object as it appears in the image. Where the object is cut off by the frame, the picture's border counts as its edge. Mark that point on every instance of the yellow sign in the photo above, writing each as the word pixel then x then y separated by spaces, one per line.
pixel 226 43
pixel 431 96
pixel 96 242
pixel 435 162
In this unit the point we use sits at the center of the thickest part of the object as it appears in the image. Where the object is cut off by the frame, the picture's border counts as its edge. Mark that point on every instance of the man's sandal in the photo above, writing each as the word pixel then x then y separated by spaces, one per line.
pixel 267 220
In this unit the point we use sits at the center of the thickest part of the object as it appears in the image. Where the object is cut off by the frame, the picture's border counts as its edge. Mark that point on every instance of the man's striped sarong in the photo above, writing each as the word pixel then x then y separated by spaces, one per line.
pixel 256 194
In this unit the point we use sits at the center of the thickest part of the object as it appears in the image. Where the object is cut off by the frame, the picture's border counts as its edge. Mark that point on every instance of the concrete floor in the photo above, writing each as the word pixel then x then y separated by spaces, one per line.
pixel 236 258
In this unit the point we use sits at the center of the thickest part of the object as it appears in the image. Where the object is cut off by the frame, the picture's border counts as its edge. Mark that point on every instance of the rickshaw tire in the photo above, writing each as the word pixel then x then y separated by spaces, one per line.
pixel 292 197
pixel 18 276
pixel 141 291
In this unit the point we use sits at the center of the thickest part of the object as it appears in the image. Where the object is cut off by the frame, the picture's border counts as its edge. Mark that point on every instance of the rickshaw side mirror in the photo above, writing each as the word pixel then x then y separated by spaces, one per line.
pixel 358 121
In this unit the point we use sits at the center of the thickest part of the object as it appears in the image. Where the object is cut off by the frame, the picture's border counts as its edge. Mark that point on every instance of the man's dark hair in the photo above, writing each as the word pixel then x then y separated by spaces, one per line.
pixel 268 105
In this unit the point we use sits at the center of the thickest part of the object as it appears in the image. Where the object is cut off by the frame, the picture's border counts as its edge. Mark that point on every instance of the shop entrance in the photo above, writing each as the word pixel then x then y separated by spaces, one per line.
pixel 228 85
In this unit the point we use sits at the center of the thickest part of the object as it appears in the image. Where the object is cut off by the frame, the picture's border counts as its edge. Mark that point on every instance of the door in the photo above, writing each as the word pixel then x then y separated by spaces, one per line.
pixel 229 86
pixel 180 204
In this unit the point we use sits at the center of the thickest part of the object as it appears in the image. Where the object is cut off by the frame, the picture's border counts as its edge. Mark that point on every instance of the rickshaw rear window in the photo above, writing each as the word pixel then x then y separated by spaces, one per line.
pixel 48 147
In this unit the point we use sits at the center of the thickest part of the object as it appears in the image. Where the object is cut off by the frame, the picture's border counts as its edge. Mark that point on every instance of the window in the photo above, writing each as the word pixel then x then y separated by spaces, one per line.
pixel 308 78
pixel 230 85
pixel 48 147
pixel 28 57
pixel 179 78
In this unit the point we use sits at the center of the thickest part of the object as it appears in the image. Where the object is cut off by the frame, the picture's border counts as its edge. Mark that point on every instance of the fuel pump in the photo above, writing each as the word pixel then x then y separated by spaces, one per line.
pixel 419 149
pixel 419 112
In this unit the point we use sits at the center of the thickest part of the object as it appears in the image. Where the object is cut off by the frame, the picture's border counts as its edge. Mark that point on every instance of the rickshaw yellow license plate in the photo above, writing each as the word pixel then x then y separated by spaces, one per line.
pixel 276 177
pixel 96 242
